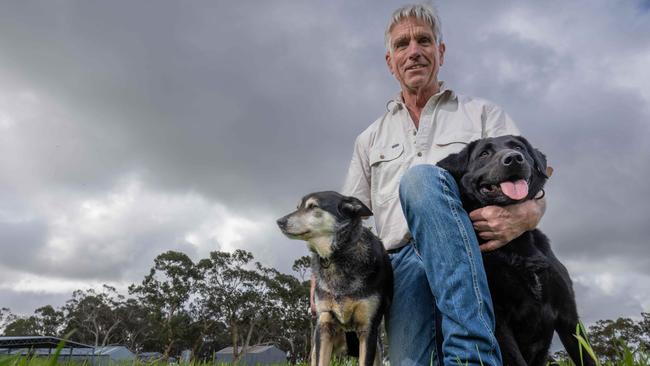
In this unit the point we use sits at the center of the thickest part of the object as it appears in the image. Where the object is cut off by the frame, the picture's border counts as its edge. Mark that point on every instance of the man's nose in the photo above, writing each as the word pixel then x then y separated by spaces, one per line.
pixel 414 50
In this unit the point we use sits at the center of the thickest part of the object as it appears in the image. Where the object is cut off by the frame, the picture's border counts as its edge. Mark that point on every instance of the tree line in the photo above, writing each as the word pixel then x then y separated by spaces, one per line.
pixel 224 300
pixel 227 299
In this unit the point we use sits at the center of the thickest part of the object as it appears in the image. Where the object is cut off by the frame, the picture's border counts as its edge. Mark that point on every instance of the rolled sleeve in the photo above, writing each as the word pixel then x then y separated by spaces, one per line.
pixel 357 182
pixel 498 122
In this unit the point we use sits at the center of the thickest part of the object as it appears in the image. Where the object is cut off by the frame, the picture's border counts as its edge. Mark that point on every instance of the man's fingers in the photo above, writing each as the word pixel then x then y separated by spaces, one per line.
pixel 490 245
pixel 487 235
pixel 477 215
pixel 481 226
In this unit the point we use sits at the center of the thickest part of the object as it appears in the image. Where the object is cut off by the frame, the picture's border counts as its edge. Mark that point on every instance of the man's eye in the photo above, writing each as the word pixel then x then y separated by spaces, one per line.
pixel 425 40
pixel 400 44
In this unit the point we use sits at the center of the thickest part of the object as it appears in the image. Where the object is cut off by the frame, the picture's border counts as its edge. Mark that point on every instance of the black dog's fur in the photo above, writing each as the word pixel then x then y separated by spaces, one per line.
pixel 354 278
pixel 531 290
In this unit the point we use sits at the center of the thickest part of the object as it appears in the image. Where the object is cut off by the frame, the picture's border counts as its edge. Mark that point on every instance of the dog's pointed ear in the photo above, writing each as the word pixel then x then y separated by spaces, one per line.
pixel 538 157
pixel 456 164
pixel 353 207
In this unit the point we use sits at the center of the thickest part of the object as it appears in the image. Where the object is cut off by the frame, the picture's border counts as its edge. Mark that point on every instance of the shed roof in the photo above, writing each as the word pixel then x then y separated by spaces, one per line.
pixel 252 349
pixel 38 342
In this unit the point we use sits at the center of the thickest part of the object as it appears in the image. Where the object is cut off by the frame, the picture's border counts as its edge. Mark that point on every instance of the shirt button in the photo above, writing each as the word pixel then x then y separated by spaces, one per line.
pixel 420 153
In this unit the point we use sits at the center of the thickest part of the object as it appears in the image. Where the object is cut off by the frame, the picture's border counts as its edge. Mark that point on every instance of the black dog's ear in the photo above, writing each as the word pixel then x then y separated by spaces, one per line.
pixel 353 207
pixel 538 157
pixel 456 164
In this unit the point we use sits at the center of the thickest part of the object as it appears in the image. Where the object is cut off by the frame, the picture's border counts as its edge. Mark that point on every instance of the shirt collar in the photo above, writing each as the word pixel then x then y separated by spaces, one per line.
pixel 397 102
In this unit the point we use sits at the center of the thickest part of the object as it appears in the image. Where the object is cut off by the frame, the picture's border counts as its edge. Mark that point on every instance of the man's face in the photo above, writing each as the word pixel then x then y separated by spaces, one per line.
pixel 414 58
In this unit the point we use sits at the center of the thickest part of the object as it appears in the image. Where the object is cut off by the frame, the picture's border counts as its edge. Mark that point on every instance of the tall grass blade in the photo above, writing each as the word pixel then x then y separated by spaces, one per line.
pixel 584 344
pixel 54 359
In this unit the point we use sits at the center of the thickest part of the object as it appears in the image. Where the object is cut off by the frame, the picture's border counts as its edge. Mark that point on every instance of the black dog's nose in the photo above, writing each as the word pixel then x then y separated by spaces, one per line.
pixel 512 158
pixel 282 222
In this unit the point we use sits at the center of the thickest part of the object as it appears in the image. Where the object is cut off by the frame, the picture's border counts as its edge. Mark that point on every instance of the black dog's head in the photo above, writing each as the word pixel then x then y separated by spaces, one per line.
pixel 497 171
pixel 319 216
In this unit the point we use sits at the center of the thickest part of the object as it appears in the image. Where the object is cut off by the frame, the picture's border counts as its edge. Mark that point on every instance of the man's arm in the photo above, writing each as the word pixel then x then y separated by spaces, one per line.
pixel 500 225
pixel 357 181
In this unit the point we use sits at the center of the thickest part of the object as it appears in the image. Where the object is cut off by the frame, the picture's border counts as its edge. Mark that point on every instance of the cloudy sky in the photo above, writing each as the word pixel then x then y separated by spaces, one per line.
pixel 132 128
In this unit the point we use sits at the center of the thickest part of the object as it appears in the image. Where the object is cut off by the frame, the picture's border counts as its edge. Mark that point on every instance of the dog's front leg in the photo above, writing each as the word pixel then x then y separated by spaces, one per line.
pixel 368 346
pixel 509 349
pixel 323 340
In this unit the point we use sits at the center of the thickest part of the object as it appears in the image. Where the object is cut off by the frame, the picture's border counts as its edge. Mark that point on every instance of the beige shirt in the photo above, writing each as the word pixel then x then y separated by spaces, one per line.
pixel 392 144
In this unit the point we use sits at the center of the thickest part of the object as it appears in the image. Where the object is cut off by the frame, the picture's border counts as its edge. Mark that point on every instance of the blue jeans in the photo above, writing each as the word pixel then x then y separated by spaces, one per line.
pixel 442 312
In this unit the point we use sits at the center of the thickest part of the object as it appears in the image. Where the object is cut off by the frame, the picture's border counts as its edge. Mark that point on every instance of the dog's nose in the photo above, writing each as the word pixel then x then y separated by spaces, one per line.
pixel 282 222
pixel 511 158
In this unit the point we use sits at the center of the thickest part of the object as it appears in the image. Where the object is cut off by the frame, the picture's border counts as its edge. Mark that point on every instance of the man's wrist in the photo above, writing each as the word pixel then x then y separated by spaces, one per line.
pixel 535 211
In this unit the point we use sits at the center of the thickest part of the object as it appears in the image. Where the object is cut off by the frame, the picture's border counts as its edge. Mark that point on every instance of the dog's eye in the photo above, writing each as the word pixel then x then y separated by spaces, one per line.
pixel 311 205
pixel 484 154
pixel 518 148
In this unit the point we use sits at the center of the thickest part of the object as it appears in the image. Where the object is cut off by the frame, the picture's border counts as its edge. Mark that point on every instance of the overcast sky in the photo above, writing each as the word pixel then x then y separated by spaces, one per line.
pixel 131 128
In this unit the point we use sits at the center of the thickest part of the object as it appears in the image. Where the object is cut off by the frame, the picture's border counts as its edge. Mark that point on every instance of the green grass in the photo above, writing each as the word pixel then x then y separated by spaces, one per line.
pixel 627 358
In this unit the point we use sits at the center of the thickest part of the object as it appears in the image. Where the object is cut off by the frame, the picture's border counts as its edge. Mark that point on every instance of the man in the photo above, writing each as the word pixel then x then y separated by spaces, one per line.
pixel 442 311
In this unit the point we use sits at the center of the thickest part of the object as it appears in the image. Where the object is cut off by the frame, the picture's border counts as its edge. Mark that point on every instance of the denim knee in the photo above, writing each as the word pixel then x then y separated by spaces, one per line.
pixel 423 182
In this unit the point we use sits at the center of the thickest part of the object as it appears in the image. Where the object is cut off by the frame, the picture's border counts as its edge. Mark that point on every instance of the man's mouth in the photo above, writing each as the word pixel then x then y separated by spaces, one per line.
pixel 415 67
pixel 516 190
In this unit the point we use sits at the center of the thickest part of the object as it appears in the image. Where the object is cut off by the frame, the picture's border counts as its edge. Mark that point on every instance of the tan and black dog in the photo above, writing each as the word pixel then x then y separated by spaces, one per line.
pixel 354 278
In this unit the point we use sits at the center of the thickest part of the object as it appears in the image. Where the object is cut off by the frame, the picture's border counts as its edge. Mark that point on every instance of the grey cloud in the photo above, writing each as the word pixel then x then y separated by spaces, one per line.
pixel 20 241
pixel 594 304
pixel 26 302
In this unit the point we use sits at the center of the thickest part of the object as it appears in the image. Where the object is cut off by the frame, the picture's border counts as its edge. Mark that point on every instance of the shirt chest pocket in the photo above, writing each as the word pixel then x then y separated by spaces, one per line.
pixel 459 137
pixel 387 164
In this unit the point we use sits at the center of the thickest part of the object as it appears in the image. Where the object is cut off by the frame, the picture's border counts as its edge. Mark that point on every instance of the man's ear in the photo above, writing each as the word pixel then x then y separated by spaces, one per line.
pixel 388 58
pixel 456 164
pixel 441 49
pixel 538 157
pixel 353 207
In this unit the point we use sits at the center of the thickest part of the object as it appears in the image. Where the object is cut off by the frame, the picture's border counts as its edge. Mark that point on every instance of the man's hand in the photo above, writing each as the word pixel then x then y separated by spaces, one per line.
pixel 500 225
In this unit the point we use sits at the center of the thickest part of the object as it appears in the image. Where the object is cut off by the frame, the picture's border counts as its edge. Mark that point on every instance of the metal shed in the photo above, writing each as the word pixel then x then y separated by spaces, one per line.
pixel 41 346
pixel 115 353
pixel 255 355
pixel 45 346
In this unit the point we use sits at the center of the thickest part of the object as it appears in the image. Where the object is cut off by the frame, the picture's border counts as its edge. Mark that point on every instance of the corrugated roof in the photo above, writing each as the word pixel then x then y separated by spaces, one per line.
pixel 252 349
pixel 37 342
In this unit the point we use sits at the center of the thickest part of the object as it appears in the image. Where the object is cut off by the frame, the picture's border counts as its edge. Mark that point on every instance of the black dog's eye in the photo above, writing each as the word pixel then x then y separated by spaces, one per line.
pixel 484 154
pixel 518 148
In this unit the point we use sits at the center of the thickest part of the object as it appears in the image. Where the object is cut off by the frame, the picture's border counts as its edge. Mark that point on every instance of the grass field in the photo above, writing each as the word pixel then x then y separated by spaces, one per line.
pixel 627 358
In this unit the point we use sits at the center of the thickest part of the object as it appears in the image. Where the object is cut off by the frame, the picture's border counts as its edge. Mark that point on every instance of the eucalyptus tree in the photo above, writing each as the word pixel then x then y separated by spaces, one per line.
pixel 166 291
pixel 234 290
pixel 89 316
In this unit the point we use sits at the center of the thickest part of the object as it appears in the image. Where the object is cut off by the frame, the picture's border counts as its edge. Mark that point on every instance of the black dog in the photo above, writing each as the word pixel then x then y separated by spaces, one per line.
pixel 354 277
pixel 531 290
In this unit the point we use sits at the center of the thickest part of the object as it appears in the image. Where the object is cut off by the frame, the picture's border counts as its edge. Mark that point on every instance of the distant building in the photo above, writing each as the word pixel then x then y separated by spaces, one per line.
pixel 115 353
pixel 149 356
pixel 255 355
pixel 43 346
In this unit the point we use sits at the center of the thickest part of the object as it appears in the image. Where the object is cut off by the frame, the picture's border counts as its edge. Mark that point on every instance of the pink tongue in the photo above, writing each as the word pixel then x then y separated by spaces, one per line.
pixel 515 190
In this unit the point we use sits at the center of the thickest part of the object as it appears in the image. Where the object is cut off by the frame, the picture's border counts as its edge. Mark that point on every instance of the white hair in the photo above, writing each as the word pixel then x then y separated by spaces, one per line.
pixel 425 13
